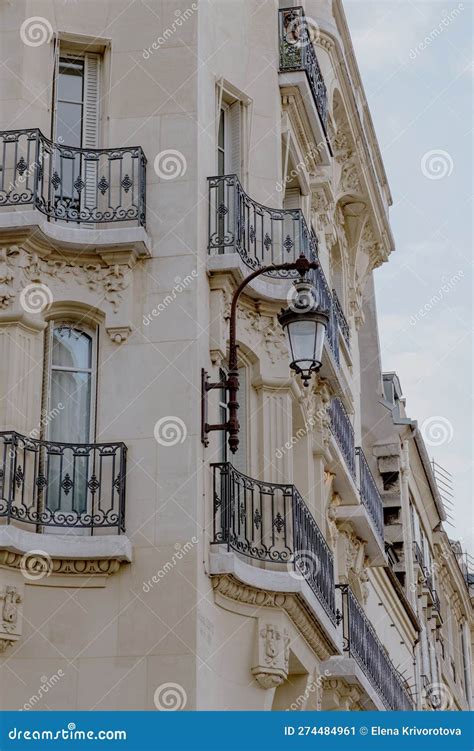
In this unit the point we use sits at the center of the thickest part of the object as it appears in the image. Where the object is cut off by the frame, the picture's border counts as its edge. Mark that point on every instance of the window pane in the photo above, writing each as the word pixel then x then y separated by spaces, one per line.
pixel 71 348
pixel 73 392
pixel 70 80
pixel 69 124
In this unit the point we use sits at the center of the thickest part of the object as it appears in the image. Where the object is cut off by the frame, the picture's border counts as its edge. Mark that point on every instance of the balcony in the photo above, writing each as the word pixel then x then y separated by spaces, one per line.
pixel 343 433
pixel 262 236
pixel 271 524
pixel 299 69
pixel 62 487
pixel 342 322
pixel 419 560
pixel 363 645
pixel 72 185
pixel 362 504
pixel 369 493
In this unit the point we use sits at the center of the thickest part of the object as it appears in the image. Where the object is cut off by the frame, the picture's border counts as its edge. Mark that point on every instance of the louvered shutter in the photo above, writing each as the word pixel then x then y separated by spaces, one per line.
pixel 90 127
pixel 292 198
pixel 234 119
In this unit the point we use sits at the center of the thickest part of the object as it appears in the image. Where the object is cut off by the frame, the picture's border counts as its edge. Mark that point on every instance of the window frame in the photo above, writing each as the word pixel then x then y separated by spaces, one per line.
pixel 93 333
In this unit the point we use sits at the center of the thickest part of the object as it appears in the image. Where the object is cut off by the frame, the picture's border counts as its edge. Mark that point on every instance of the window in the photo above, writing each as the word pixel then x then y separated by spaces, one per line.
pixel 69 398
pixel 233 119
pixel 76 100
pixel 75 124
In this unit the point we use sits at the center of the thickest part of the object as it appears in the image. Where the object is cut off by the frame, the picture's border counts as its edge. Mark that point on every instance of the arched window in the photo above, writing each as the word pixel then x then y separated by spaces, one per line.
pixel 69 413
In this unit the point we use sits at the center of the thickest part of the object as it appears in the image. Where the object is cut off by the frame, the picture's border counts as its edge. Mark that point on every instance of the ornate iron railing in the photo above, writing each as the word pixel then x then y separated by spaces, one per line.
pixel 297 53
pixel 362 643
pixel 270 522
pixel 259 234
pixel 369 493
pixel 418 555
pixel 84 186
pixel 326 301
pixel 341 319
pixel 263 236
pixel 343 432
pixel 62 485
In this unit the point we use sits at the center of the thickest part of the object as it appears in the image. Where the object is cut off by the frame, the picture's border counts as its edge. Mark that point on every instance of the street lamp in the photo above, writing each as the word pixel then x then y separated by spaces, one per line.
pixel 305 325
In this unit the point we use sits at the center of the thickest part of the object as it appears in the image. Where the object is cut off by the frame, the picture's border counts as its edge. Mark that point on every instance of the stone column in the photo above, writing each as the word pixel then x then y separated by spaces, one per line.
pixel 275 429
pixel 21 372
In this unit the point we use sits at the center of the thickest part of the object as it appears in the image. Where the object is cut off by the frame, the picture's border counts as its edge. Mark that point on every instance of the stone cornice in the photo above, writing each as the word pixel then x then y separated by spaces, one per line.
pixel 228 587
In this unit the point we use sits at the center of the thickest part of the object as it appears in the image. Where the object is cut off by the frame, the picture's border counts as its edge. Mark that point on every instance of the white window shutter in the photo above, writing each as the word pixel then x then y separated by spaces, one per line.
pixel 90 132
pixel 292 198
pixel 234 120
pixel 90 125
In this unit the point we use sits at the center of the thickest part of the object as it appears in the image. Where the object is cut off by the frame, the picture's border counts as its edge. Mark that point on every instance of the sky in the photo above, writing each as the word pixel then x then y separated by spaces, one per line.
pixel 415 60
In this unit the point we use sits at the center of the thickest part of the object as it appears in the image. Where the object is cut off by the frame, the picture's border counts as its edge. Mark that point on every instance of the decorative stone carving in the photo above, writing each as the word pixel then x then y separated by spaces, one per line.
pixel 76 567
pixel 10 621
pixel 350 182
pixel 6 276
pixel 321 419
pixel 11 598
pixel 273 653
pixel 269 332
pixel 341 146
pixel 19 267
pixel 118 334
pixel 227 586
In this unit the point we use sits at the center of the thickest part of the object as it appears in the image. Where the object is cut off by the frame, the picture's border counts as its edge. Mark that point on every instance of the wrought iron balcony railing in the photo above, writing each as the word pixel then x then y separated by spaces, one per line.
pixel 83 186
pixel 259 234
pixel 297 53
pixel 341 319
pixel 369 492
pixel 62 485
pixel 362 643
pixel 343 432
pixel 271 523
pixel 418 556
pixel 262 236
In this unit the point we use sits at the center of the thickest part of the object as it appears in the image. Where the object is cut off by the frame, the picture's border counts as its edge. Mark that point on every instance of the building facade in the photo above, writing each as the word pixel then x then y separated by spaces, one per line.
pixel 151 158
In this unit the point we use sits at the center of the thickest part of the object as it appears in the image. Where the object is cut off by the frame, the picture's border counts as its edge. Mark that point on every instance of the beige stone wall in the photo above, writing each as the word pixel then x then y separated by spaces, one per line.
pixel 109 635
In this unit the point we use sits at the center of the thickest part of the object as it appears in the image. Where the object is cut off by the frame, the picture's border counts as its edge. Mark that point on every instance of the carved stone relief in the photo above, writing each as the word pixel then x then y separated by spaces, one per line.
pixel 273 654
pixel 10 612
pixel 19 267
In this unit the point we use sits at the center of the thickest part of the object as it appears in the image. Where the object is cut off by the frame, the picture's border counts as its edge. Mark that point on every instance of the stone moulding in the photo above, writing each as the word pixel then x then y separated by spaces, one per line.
pixel 40 555
pixel 231 589
pixel 77 567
